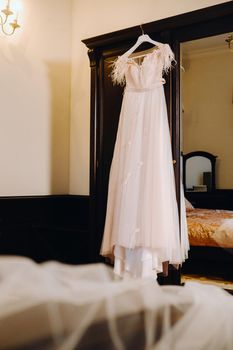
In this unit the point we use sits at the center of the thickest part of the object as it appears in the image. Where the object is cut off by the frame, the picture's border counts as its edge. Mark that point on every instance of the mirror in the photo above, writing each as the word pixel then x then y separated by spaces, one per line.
pixel 206 92
pixel 196 169
pixel 199 171
pixel 207 102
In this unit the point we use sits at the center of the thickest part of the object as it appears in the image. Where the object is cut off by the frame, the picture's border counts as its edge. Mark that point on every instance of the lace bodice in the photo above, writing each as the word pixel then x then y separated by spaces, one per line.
pixel 127 71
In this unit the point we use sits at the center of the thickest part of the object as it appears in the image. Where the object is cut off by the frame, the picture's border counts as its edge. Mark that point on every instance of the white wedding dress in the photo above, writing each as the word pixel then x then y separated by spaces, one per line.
pixel 142 223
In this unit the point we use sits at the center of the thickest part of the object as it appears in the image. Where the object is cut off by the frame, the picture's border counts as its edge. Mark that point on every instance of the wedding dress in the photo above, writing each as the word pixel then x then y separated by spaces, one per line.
pixel 142 223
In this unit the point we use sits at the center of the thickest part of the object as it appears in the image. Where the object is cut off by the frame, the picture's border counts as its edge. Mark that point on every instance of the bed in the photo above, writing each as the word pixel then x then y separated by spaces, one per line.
pixel 211 243
pixel 210 228
pixel 209 218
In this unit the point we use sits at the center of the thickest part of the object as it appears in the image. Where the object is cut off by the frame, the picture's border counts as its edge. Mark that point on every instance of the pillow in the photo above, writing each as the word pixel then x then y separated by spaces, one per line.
pixel 188 205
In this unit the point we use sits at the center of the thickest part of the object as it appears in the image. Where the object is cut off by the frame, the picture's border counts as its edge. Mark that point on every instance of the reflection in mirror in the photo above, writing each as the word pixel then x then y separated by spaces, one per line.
pixel 207 102
pixel 197 171
pixel 207 125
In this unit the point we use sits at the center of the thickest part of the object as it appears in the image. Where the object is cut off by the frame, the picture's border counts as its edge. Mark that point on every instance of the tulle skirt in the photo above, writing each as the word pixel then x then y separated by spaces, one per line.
pixel 142 222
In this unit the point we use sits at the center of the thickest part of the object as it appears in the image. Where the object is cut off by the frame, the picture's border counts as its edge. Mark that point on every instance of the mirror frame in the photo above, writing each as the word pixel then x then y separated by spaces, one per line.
pixel 204 154
pixel 211 23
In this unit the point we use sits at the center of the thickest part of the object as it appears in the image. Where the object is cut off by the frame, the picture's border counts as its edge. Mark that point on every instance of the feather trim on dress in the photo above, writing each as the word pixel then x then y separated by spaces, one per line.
pixel 168 56
pixel 119 68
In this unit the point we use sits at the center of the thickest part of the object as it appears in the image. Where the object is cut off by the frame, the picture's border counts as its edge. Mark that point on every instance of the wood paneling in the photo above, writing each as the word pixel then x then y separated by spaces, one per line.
pixel 45 228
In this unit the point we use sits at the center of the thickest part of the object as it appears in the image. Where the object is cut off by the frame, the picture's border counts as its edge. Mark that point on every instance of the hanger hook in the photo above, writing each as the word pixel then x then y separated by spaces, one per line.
pixel 142 29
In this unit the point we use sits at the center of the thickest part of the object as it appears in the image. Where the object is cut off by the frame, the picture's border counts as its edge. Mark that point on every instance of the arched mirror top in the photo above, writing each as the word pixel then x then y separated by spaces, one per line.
pixel 199 171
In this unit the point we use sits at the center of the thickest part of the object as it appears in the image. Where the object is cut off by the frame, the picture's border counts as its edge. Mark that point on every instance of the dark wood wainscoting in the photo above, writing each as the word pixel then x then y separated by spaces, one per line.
pixel 210 261
pixel 218 199
pixel 45 228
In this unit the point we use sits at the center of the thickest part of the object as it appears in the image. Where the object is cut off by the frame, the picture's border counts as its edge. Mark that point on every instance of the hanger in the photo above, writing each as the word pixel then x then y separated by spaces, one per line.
pixel 141 39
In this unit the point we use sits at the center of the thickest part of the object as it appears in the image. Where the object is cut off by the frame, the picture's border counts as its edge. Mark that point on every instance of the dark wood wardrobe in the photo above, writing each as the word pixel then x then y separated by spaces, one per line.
pixel 106 98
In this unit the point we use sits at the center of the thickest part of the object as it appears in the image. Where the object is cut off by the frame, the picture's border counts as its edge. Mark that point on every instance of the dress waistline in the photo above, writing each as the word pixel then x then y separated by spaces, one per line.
pixel 152 87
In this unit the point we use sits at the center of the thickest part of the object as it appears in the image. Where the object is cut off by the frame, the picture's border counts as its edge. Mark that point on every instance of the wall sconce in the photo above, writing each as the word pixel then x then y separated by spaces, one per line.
pixel 4 23
pixel 229 40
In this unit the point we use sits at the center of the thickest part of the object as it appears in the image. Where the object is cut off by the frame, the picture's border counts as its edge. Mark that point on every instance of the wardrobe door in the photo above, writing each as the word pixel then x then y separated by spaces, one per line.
pixel 111 97
pixel 105 112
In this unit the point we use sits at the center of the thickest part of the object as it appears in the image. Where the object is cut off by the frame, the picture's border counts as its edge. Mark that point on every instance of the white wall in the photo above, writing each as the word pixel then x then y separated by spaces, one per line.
pixel 91 18
pixel 35 72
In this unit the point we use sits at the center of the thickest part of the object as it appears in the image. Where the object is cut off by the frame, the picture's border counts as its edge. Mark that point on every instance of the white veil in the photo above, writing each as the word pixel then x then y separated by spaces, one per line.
pixel 56 306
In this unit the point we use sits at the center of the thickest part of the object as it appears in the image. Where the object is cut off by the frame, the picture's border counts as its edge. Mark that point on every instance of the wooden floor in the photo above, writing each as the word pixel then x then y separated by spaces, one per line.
pixel 208 280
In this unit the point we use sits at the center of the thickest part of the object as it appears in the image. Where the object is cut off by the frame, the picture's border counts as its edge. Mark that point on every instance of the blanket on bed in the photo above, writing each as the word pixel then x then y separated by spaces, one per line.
pixel 208 227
